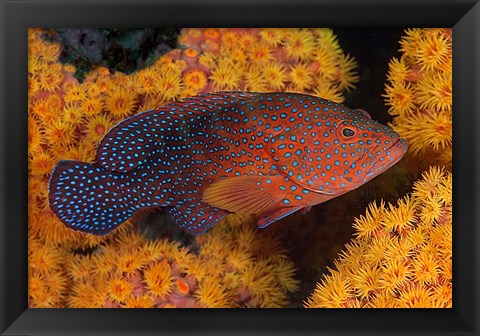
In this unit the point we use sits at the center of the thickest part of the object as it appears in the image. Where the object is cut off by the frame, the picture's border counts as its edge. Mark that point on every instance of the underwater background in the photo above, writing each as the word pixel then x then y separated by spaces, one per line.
pixel 385 244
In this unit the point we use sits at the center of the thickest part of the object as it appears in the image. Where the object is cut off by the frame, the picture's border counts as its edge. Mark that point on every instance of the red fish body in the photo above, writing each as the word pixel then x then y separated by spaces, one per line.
pixel 263 154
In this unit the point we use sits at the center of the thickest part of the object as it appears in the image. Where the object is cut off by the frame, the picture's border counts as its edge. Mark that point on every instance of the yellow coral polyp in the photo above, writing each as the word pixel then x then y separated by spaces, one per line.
pixel 211 295
pixel 80 267
pixel 414 296
pixel 397 70
pixel 301 77
pixel 410 41
pixel 285 270
pixel 41 163
pixel 73 114
pixel 120 103
pixel 299 44
pixel 435 92
pixel 195 79
pixel 35 135
pixel 330 92
pixel 98 126
pixel 143 301
pixel 119 289
pixel 159 279
pixel 346 74
pixel 426 268
pixel 239 259
pixel 272 37
pixel 275 75
pixel 74 93
pixel 401 98
pixel 429 132
pixel 229 38
pixel 432 50
pixel 130 261
pixel 325 62
pixel 39 294
pixel 260 53
pixel 333 292
pixel 60 133
pixel 365 281
pixel 254 79
pixel 50 77
pixel 225 76
pixel 366 225
pixel 87 295
pixel 169 86
pixel 247 41
pixel 403 216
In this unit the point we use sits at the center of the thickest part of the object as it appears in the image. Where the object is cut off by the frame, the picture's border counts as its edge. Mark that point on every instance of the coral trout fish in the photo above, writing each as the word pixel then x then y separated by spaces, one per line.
pixel 262 154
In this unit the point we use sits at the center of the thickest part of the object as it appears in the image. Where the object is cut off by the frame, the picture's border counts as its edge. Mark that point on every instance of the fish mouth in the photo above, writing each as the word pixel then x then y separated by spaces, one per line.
pixel 401 144
pixel 397 150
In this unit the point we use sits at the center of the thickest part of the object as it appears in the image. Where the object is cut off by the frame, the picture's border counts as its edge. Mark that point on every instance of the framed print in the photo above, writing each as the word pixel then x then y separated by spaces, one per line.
pixel 228 155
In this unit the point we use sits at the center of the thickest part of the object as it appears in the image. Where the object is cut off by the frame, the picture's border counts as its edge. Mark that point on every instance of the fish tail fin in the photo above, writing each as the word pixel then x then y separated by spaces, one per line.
pixel 88 198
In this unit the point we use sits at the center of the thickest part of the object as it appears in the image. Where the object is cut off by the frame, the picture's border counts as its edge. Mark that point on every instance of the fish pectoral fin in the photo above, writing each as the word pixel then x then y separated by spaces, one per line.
pixel 271 216
pixel 245 195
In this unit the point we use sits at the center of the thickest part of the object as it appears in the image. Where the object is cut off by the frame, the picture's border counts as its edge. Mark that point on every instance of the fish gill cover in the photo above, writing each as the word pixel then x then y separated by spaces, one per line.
pixel 67 119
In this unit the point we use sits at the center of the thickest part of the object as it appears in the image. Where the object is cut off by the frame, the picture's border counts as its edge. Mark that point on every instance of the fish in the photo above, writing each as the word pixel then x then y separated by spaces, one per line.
pixel 262 154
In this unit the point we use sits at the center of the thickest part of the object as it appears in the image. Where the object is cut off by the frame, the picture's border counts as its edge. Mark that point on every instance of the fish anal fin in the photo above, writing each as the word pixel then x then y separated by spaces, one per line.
pixel 245 195
pixel 269 217
pixel 195 217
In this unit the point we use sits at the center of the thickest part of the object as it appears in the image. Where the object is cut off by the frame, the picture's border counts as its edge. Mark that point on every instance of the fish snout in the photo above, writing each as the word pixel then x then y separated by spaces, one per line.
pixel 398 148
pixel 390 156
pixel 402 145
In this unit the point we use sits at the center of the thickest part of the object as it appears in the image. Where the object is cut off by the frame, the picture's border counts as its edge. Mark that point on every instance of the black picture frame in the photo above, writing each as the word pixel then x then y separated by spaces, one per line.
pixel 19 15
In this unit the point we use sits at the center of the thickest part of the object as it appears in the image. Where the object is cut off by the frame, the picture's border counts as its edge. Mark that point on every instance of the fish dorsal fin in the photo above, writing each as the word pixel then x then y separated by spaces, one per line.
pixel 132 141
pixel 245 195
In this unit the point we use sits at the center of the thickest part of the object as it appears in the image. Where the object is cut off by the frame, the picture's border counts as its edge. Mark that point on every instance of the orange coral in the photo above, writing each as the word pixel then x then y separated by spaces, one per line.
pixel 419 92
pixel 159 273
pixel 261 59
pixel 399 258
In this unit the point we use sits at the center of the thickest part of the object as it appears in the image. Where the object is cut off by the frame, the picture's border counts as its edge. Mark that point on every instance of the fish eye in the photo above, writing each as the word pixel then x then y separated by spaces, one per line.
pixel 347 132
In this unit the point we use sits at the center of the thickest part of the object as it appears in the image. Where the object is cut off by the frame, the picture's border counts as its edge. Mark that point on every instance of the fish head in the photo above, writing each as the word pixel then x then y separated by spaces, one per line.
pixel 337 151
pixel 362 149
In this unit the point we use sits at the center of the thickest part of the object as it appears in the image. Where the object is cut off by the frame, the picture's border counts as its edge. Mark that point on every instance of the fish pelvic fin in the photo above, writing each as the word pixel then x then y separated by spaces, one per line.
pixel 88 198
